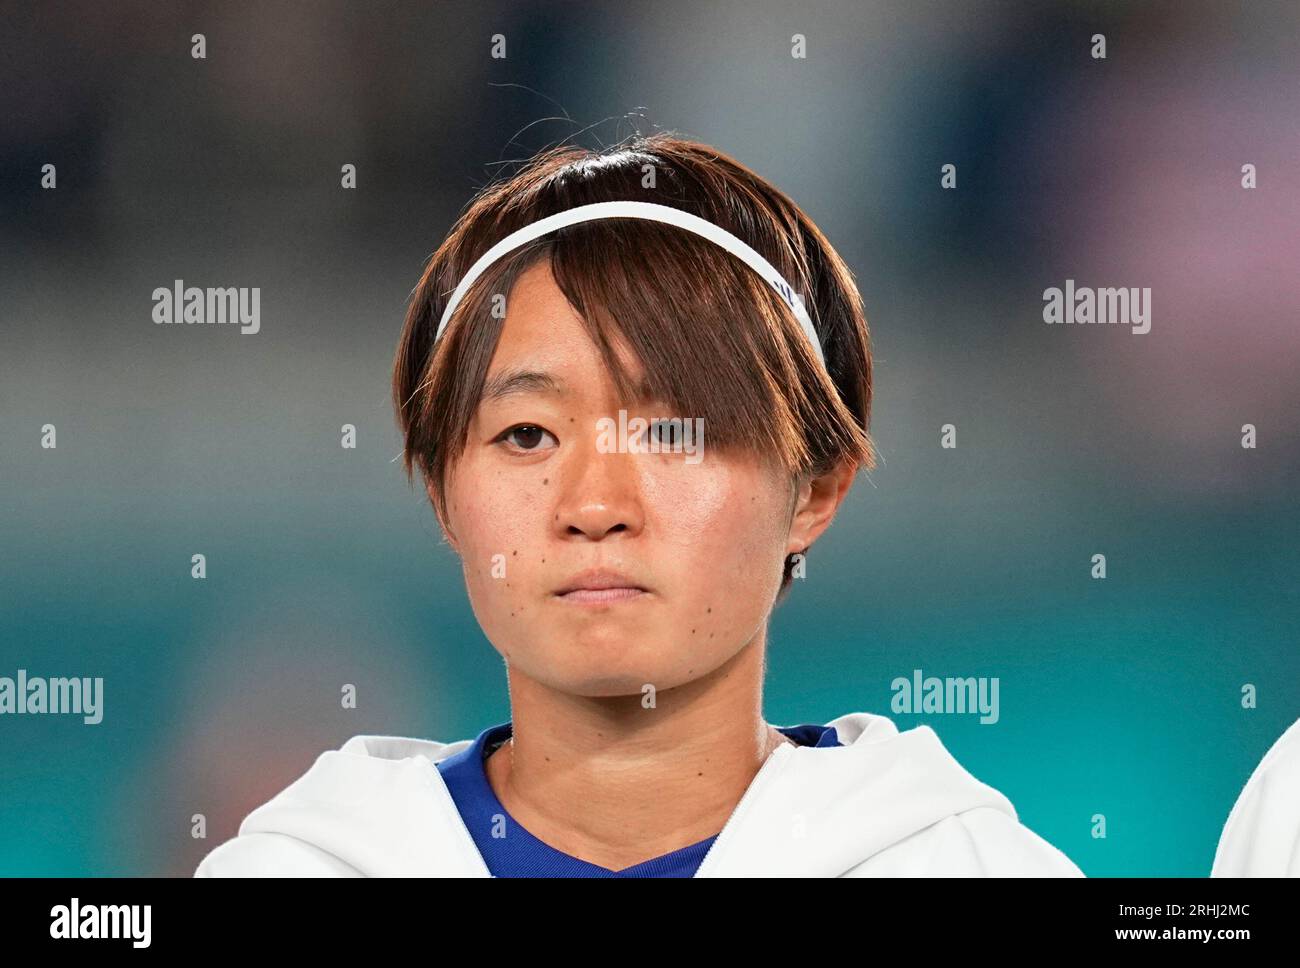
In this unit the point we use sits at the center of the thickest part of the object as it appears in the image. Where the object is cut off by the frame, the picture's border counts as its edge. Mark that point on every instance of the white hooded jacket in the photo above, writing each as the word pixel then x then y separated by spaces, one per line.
pixel 884 803
pixel 1261 837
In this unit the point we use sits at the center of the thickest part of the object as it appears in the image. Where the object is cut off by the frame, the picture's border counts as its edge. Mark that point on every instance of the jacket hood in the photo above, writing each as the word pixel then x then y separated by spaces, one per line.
pixel 379 806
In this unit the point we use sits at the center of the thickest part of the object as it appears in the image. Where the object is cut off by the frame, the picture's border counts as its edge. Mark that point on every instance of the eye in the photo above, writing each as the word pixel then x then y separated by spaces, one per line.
pixel 667 434
pixel 529 436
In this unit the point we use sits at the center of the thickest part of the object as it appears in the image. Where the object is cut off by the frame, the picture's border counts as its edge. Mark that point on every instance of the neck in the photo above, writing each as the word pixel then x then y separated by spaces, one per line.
pixel 649 781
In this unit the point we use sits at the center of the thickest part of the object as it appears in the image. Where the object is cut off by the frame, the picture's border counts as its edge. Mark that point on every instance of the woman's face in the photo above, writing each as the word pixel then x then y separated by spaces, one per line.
pixel 535 501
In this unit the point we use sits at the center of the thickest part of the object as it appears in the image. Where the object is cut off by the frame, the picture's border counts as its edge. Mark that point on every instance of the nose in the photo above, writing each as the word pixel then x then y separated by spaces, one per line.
pixel 600 495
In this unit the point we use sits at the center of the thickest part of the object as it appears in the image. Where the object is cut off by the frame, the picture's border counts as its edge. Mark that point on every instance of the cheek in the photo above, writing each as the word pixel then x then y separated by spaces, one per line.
pixel 495 522
pixel 724 521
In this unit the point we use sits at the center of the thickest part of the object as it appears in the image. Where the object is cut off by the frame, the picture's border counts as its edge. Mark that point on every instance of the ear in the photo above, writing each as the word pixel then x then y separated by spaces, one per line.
pixel 447 532
pixel 817 499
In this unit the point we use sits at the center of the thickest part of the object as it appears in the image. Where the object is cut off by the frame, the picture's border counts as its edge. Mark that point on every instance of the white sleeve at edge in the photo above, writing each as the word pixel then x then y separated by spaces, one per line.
pixel 983 842
pixel 270 855
pixel 1261 837
pixel 1007 848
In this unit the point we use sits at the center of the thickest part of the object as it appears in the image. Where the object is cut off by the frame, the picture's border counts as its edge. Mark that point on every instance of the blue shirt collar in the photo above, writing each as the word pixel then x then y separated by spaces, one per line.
pixel 509 850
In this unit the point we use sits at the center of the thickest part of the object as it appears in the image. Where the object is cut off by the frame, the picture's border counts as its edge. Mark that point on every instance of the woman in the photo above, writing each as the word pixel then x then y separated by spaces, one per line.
pixel 637 386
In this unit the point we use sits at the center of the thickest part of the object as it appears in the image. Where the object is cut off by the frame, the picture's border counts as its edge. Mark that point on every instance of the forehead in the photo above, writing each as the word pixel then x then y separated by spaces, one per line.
pixel 543 335
pixel 536 306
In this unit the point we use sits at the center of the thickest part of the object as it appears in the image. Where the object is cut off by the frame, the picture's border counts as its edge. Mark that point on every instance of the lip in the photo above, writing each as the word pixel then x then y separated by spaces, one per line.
pixel 602 596
pixel 600 586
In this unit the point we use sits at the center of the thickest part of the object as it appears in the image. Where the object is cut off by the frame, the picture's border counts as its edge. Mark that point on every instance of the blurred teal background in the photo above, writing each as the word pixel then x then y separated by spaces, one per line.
pixel 1118 697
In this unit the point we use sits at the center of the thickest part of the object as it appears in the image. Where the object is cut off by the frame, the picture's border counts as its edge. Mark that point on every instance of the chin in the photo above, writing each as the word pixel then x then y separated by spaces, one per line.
pixel 607 687
pixel 597 669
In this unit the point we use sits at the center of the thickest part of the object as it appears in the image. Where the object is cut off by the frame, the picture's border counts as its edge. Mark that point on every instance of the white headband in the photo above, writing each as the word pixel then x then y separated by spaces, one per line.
pixel 654 213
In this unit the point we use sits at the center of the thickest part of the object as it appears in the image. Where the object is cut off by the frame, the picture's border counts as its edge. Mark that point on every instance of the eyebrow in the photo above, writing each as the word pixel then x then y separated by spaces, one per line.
pixel 511 381
pixel 521 381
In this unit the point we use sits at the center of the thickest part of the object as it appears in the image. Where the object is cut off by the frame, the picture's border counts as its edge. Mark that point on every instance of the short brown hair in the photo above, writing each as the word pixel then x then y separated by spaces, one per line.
pixel 713 339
